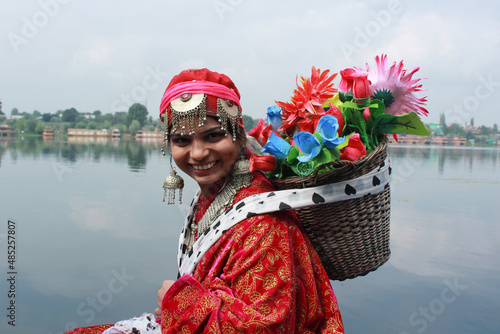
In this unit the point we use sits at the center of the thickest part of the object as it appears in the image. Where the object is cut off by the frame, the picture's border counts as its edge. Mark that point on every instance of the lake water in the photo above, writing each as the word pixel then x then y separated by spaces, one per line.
pixel 94 240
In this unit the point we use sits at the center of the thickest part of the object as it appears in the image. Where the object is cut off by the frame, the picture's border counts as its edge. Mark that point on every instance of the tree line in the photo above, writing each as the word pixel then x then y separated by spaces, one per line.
pixel 137 118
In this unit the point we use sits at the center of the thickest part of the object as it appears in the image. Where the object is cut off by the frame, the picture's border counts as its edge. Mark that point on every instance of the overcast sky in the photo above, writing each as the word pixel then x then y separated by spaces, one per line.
pixel 106 55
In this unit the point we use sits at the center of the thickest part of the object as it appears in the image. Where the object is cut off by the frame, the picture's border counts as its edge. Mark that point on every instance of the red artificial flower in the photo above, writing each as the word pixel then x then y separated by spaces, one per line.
pixel 366 114
pixel 265 163
pixel 307 100
pixel 309 124
pixel 354 149
pixel 361 85
pixel 261 132
pixel 346 81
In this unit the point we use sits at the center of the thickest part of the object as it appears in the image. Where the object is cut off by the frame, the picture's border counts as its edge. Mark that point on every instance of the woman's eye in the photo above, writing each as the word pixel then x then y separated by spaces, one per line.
pixel 180 141
pixel 216 135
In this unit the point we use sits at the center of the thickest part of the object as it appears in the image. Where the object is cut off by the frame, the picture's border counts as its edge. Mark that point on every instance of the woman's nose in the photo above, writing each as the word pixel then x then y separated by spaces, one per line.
pixel 198 150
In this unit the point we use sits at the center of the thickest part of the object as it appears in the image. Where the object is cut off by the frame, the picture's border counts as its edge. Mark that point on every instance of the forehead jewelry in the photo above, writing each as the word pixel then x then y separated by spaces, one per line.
pixel 185 109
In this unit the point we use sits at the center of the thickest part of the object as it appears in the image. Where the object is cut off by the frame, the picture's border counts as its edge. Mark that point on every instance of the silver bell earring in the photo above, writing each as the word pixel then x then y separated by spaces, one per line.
pixel 171 184
pixel 173 181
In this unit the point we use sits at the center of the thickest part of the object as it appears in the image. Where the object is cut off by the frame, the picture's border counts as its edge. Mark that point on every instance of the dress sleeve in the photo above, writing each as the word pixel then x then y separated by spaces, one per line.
pixel 260 277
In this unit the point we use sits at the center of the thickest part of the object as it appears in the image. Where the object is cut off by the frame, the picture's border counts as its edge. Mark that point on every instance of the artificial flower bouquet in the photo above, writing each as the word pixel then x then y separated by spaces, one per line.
pixel 322 124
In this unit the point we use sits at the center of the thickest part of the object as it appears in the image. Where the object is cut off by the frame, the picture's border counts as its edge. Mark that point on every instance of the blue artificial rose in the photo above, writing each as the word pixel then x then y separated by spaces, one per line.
pixel 277 146
pixel 274 117
pixel 327 127
pixel 309 145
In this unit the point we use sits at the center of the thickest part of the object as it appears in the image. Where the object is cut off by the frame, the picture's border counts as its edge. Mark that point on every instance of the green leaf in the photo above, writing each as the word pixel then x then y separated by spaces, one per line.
pixel 323 157
pixel 292 155
pixel 318 135
pixel 377 108
pixel 345 143
pixel 407 123
pixel 351 105
pixel 335 152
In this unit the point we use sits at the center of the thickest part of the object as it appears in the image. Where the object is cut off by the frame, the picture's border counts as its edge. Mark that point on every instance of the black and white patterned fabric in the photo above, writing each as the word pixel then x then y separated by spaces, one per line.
pixel 145 324
pixel 371 183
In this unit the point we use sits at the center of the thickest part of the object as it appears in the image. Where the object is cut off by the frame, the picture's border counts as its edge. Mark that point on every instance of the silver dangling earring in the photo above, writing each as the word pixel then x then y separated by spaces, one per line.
pixel 172 183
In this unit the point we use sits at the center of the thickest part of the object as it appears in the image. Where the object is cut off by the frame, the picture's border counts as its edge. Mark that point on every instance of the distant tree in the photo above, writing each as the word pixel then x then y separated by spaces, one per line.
pixel 20 125
pixel 495 128
pixel 472 121
pixel 14 111
pixel 442 123
pixel 105 124
pixel 1 112
pixel 97 114
pixel 81 125
pixel 134 126
pixel 40 126
pixel 249 122
pixel 31 125
pixel 122 127
pixel 120 117
pixel 46 117
pixel 36 113
pixel 92 125
pixel 137 112
pixel 485 130
pixel 70 115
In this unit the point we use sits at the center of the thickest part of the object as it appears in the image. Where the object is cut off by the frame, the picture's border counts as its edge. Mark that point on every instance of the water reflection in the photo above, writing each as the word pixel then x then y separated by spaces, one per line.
pixel 75 150
pixel 93 208
pixel 448 156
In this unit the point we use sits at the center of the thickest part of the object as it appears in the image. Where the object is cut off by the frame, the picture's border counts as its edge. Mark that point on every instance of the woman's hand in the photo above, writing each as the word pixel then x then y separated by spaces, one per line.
pixel 161 293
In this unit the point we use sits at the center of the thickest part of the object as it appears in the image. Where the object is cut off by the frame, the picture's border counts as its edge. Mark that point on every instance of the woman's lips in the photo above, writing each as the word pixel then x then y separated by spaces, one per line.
pixel 203 168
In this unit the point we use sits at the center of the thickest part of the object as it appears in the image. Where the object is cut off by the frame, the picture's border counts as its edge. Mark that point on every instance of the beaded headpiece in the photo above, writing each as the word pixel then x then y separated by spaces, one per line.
pixel 198 93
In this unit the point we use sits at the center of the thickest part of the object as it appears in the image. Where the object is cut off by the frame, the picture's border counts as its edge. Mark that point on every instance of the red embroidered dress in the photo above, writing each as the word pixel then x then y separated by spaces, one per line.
pixel 261 276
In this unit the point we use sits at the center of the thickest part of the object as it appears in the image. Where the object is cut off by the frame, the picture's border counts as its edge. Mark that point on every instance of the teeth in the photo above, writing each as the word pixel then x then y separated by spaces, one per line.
pixel 204 167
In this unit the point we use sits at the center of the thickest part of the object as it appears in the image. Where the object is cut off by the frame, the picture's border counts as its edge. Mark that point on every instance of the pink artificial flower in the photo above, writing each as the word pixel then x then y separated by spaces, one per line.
pixel 396 87
pixel 354 149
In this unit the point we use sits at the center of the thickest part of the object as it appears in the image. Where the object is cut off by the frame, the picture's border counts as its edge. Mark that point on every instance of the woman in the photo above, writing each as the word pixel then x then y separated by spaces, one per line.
pixel 256 274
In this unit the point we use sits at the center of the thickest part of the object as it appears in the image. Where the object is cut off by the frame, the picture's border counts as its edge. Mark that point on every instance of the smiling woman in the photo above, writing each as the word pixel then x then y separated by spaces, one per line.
pixel 257 273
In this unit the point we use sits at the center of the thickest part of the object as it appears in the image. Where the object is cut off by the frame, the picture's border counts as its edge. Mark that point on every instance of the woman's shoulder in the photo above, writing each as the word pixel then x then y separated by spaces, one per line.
pixel 260 184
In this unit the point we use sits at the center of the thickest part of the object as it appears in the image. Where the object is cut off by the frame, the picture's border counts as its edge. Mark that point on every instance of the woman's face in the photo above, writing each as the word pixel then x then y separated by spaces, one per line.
pixel 208 155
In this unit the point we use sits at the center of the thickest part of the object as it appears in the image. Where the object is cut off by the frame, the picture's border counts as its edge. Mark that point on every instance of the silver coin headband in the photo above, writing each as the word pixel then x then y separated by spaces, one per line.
pixel 189 106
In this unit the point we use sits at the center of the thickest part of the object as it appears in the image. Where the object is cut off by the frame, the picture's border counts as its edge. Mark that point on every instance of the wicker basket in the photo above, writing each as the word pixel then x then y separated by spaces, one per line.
pixel 351 237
